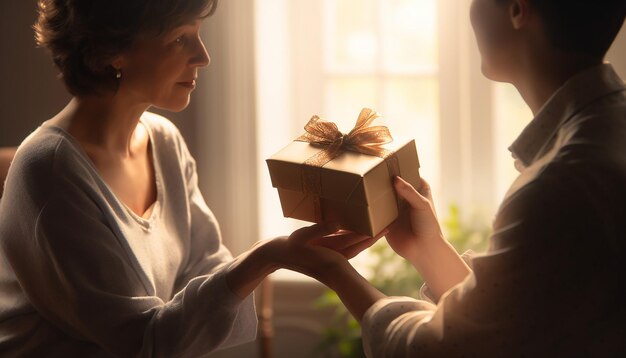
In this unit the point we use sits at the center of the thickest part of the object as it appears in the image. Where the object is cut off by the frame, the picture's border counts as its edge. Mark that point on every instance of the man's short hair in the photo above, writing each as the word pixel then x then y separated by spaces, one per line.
pixel 581 26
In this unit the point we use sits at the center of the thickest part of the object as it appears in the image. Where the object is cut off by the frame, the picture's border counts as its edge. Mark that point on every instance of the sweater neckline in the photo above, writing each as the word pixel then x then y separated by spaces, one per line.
pixel 155 208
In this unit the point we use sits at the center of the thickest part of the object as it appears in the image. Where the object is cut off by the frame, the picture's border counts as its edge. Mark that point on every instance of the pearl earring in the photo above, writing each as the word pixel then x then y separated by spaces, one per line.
pixel 118 74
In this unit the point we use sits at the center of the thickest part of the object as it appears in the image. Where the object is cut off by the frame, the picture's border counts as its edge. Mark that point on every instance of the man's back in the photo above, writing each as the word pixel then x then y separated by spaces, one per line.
pixel 552 282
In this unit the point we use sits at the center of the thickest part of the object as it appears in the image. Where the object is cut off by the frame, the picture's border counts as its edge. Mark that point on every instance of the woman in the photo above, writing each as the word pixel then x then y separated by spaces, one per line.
pixel 107 246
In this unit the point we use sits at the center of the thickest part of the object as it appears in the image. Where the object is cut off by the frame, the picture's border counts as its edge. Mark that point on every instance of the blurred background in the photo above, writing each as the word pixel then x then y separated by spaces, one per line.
pixel 275 63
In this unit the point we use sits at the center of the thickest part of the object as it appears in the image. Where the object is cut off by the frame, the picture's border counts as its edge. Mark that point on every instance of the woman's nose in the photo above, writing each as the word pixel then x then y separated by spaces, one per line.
pixel 201 58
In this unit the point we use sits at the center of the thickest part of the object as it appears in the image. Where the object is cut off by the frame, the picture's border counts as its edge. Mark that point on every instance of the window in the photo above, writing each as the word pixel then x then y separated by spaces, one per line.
pixel 383 54
pixel 338 56
pixel 413 61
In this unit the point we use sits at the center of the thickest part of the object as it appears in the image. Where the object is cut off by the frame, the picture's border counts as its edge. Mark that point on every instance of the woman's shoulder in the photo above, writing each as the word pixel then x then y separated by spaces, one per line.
pixel 165 135
pixel 37 153
pixel 160 125
pixel 41 159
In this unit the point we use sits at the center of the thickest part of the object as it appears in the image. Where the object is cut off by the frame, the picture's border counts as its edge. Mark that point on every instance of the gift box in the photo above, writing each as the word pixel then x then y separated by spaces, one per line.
pixel 347 179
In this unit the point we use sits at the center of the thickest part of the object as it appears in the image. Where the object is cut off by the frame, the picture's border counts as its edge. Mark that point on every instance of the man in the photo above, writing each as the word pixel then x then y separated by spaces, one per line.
pixel 552 283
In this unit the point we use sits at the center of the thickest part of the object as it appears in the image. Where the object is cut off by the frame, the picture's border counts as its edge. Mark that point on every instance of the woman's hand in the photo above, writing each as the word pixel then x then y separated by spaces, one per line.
pixel 297 253
pixel 319 251
pixel 417 224
pixel 348 244
pixel 316 250
pixel 322 253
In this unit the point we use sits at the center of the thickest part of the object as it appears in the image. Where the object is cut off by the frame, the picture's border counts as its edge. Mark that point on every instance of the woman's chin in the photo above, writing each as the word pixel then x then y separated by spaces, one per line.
pixel 174 107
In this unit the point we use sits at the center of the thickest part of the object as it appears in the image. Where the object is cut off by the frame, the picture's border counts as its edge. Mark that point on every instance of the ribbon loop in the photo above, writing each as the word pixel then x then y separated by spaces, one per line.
pixel 363 138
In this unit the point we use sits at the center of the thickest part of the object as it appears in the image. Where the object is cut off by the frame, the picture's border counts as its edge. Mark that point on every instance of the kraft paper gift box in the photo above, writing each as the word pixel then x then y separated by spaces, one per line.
pixel 328 176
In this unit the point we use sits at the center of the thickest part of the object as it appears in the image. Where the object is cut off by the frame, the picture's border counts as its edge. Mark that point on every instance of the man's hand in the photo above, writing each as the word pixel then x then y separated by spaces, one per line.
pixel 417 225
pixel 416 236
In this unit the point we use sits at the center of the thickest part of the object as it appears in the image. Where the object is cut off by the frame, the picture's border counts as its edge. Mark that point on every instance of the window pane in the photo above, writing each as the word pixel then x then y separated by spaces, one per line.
pixel 410 108
pixel 345 97
pixel 350 37
pixel 409 35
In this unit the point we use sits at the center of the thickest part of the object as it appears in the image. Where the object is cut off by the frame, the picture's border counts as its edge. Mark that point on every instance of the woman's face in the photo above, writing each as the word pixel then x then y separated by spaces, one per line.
pixel 495 38
pixel 162 71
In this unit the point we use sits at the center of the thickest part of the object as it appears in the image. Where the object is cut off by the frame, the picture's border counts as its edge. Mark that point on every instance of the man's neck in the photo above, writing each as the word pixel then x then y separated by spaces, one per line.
pixel 542 77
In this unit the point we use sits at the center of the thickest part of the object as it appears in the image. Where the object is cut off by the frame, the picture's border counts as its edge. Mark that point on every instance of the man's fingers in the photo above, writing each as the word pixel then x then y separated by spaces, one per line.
pixel 408 193
pixel 424 188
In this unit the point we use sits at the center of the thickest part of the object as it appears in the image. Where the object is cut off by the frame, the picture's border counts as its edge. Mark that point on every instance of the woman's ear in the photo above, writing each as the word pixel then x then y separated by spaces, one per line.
pixel 519 12
pixel 118 62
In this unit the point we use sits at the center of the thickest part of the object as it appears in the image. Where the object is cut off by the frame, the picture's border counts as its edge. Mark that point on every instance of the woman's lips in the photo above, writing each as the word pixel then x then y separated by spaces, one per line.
pixel 188 84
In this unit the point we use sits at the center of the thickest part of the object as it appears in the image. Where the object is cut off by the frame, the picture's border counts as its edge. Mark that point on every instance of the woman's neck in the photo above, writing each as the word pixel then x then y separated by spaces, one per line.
pixel 103 122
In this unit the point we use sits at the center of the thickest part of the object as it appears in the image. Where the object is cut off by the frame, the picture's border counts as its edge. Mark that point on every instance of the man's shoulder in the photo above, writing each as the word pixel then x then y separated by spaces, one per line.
pixel 597 133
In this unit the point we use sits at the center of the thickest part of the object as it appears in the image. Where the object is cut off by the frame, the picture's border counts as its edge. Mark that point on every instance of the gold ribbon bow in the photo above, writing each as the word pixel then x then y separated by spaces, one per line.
pixel 363 138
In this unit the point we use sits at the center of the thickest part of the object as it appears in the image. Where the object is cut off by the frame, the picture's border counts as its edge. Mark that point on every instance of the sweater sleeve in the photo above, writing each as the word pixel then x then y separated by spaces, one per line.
pixel 208 253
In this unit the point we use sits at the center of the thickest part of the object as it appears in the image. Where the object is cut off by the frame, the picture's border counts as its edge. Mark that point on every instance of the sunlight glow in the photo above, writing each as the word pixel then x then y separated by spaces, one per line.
pixel 380 54
pixel 360 45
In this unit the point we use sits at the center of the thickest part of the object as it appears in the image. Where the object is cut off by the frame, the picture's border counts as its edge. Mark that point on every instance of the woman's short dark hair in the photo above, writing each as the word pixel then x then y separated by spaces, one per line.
pixel 84 36
pixel 586 27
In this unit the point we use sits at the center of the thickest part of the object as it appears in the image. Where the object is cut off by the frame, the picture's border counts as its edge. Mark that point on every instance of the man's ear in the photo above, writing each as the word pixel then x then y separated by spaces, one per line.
pixel 519 12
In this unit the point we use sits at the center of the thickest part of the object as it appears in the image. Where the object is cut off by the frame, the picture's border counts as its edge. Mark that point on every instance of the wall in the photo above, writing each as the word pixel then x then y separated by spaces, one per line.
pixel 30 91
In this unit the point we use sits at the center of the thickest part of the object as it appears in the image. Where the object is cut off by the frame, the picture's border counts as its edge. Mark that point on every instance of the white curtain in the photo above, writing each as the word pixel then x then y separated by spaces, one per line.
pixel 226 132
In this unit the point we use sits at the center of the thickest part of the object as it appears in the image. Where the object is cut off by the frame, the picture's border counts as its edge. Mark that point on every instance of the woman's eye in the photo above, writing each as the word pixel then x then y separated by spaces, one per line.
pixel 180 40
